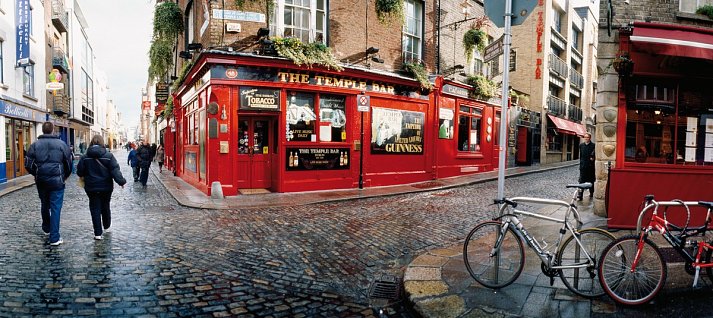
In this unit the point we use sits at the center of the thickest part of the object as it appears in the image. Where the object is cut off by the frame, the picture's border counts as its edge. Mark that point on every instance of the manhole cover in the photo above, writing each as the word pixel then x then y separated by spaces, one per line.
pixel 386 288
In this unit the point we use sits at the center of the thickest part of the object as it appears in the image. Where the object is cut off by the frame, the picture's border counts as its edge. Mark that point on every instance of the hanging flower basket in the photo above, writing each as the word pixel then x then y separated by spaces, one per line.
pixel 387 10
pixel 474 39
pixel 483 88
pixel 623 64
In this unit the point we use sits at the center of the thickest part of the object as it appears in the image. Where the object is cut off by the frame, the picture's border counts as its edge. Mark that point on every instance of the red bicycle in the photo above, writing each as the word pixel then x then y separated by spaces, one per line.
pixel 632 270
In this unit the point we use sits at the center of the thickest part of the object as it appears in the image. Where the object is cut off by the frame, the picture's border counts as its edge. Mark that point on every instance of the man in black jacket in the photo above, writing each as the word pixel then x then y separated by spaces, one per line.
pixel 50 161
pixel 144 155
pixel 586 163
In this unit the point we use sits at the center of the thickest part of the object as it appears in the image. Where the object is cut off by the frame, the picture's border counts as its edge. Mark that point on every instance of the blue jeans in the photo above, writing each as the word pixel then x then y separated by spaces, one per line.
pixel 144 177
pixel 51 208
pixel 99 208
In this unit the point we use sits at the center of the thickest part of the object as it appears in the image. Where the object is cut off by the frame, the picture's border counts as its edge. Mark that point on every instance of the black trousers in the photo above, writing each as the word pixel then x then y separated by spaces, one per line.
pixel 99 208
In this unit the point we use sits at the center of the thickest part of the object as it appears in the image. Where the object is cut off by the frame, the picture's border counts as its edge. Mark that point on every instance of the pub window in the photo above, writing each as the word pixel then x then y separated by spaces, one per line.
pixel 660 130
pixel 300 117
pixel 554 140
pixel 332 118
pixel 469 128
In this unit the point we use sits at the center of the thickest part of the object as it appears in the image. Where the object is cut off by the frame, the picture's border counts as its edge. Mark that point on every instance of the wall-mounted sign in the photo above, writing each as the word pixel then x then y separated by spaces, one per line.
pixel 396 131
pixel 455 90
pixel 233 28
pixel 231 73
pixel 17 111
pixel 317 159
pixel 22 32
pixel 238 15
pixel 259 98
pixel 161 93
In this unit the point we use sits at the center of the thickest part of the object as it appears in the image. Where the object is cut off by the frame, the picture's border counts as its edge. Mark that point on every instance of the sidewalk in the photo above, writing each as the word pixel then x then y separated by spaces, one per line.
pixel 187 195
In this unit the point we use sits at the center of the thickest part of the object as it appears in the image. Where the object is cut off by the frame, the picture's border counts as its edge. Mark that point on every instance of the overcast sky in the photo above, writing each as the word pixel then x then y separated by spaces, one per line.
pixel 120 34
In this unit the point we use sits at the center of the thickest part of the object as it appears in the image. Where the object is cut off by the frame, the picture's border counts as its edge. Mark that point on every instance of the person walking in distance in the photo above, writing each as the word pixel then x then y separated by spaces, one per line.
pixel 50 161
pixel 159 157
pixel 144 155
pixel 586 163
pixel 100 170
pixel 133 161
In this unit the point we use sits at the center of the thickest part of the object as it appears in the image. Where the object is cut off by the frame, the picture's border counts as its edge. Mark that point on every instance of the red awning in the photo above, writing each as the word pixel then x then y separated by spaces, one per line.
pixel 674 40
pixel 568 127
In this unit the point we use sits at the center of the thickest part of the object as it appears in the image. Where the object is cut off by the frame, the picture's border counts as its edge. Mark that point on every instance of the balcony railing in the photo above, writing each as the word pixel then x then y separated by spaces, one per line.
pixel 574 113
pixel 558 66
pixel 59 103
pixel 576 79
pixel 59 15
pixel 59 60
pixel 556 106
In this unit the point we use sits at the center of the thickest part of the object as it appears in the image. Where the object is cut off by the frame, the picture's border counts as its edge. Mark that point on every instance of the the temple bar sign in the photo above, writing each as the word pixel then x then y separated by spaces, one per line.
pixel 330 81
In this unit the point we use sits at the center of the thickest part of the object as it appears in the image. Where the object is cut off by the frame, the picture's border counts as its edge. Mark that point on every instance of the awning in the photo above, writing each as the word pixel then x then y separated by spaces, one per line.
pixel 568 127
pixel 673 40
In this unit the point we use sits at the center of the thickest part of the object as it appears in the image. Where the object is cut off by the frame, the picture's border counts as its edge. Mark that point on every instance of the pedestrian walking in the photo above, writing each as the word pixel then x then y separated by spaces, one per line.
pixel 133 162
pixel 50 161
pixel 100 170
pixel 586 164
pixel 159 157
pixel 144 156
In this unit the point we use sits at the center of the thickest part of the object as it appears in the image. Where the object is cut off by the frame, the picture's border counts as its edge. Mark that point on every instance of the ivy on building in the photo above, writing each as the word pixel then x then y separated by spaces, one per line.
pixel 389 10
pixel 418 71
pixel 167 25
pixel 483 88
pixel 306 54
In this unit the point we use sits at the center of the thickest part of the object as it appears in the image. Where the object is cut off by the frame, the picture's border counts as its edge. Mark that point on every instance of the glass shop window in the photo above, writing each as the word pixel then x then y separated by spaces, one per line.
pixel 469 119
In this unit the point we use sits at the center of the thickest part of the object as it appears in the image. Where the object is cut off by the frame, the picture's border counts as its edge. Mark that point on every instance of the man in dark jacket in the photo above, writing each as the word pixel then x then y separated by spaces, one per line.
pixel 50 161
pixel 586 163
pixel 144 154
pixel 100 170
pixel 133 161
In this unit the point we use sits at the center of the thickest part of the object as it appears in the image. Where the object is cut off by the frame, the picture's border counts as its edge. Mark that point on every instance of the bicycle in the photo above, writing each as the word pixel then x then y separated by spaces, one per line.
pixel 633 271
pixel 494 255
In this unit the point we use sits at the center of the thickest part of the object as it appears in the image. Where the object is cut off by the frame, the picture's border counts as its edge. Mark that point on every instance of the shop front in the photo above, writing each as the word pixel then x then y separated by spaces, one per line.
pixel 467 140
pixel 664 132
pixel 526 136
pixel 258 124
pixel 19 130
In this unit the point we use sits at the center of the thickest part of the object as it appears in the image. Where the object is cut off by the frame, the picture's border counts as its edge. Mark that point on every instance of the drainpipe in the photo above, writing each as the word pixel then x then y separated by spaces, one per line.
pixel 438 38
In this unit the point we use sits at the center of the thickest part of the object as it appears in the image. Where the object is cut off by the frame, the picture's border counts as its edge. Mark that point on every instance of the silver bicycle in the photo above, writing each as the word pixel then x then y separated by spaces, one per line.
pixel 494 255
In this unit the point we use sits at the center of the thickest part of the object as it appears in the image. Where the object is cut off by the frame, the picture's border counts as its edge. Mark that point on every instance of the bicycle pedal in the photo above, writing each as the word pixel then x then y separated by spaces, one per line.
pixel 552 281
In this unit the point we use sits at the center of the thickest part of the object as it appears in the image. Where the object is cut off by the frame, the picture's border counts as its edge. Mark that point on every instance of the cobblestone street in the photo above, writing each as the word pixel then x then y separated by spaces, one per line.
pixel 164 260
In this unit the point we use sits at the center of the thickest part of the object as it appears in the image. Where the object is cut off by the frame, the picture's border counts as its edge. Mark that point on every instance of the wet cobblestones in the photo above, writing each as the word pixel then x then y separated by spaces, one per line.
pixel 164 260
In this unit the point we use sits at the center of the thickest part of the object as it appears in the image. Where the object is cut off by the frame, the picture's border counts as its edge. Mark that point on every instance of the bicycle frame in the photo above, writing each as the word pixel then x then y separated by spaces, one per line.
pixel 678 243
pixel 521 232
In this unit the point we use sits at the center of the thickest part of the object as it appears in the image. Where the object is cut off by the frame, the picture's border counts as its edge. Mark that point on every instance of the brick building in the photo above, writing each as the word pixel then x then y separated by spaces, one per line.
pixel 248 118
pixel 655 124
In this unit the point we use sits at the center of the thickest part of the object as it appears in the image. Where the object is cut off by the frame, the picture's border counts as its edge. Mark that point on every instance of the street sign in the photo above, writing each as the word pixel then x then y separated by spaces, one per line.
pixel 495 10
pixel 363 103
pixel 493 50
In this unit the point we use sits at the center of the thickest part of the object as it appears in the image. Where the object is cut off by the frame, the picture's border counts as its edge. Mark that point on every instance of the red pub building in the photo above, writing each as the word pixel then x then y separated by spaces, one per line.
pixel 261 122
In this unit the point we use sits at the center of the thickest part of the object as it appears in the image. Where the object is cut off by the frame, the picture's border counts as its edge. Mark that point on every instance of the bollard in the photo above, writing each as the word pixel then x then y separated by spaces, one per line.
pixel 216 190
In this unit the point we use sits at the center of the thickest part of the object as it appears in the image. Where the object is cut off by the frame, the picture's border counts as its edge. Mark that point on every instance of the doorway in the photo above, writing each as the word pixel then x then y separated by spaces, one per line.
pixel 256 147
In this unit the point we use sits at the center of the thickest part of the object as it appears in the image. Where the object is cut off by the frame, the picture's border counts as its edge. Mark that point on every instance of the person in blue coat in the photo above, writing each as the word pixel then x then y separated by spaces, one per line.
pixel 133 161
pixel 50 161
pixel 100 170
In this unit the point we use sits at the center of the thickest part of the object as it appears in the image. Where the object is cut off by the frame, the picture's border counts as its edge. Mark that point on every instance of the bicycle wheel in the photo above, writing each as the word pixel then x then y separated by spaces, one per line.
pixel 500 269
pixel 623 285
pixel 583 281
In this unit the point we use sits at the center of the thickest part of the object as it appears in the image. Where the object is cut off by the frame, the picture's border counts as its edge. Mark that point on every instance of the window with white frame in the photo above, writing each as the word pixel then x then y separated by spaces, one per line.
pixel 557 20
pixel 477 63
pixel 28 79
pixel 413 30
pixel 302 19
pixel 691 6
pixel 190 20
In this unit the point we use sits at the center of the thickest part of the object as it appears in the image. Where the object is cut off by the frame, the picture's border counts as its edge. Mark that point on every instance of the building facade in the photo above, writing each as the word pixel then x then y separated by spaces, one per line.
pixel 250 119
pixel 655 127
pixel 556 52
pixel 22 82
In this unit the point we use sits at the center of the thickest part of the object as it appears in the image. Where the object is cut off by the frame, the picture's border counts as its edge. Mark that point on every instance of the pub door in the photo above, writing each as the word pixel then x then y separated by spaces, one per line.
pixel 255 151
pixel 522 156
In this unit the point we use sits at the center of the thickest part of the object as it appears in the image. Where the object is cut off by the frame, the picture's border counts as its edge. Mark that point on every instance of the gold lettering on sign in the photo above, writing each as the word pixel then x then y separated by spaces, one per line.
pixel 320 80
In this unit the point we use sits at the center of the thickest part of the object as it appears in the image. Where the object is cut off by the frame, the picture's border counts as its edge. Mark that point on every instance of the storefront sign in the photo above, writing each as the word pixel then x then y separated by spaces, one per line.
pixel 396 131
pixel 330 81
pixel 22 32
pixel 317 159
pixel 455 90
pixel 259 99
pixel 161 93
pixel 22 112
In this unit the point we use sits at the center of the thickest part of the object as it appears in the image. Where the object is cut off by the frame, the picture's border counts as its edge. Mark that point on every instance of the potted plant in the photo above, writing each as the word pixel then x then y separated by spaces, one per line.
pixel 386 10
pixel 483 88
pixel 474 39
pixel 623 64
